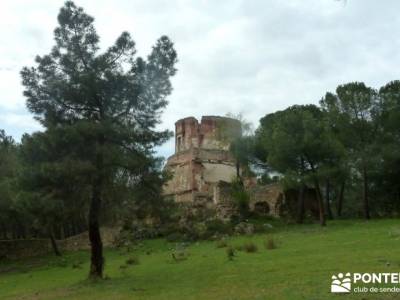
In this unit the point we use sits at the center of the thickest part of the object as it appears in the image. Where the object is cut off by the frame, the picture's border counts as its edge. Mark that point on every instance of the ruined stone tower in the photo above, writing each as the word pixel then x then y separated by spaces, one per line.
pixel 202 158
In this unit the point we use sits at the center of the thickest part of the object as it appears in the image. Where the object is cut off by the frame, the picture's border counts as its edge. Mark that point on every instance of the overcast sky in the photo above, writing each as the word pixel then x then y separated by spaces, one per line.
pixel 241 56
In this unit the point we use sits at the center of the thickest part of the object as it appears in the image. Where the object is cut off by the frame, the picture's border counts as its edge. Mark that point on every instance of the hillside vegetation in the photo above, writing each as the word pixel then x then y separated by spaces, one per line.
pixel 300 267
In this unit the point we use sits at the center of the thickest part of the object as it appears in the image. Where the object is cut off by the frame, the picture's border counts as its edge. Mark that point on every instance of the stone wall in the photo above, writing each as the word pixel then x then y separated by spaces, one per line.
pixel 81 241
pixel 266 199
pixel 270 200
pixel 15 249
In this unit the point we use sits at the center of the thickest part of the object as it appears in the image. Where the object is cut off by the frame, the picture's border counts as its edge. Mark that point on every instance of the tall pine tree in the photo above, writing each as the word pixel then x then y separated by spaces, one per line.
pixel 109 101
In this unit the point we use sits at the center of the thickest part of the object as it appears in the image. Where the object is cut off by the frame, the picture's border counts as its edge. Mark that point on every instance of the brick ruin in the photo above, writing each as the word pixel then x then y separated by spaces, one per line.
pixel 201 158
pixel 203 166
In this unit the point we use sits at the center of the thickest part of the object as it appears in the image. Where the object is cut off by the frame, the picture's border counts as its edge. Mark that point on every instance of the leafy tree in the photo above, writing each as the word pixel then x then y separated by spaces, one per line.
pixel 10 220
pixel 241 146
pixel 389 141
pixel 109 101
pixel 52 181
pixel 339 172
pixel 299 146
pixel 240 197
pixel 355 105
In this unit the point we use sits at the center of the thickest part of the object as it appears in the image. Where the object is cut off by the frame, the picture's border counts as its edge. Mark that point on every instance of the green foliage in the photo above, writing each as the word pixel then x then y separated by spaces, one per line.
pixel 250 247
pixel 299 144
pixel 133 260
pixel 100 112
pixel 221 244
pixel 353 114
pixel 270 244
pixel 218 226
pixel 13 218
pixel 240 197
pixel 175 237
pixel 230 253
pixel 240 140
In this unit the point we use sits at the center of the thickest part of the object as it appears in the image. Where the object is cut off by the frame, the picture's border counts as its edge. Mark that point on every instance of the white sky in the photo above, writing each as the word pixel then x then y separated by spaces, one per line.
pixel 248 56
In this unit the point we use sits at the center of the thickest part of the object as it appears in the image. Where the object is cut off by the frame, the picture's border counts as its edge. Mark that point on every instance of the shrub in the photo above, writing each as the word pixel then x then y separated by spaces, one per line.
pixel 239 248
pixel 200 228
pixel 221 244
pixel 62 263
pixel 76 265
pixel 217 226
pixel 132 261
pixel 250 247
pixel 169 228
pixel 270 244
pixel 241 198
pixel 260 228
pixel 230 253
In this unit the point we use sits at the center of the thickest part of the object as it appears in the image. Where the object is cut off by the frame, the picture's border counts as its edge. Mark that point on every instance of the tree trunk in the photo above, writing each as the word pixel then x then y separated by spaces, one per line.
pixel 97 260
pixel 398 200
pixel 320 201
pixel 327 198
pixel 340 200
pixel 238 171
pixel 365 194
pixel 322 220
pixel 96 267
pixel 300 212
pixel 54 243
pixel 4 231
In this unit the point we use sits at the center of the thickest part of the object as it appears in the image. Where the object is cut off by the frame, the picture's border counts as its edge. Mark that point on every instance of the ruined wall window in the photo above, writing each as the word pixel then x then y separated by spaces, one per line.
pixel 179 143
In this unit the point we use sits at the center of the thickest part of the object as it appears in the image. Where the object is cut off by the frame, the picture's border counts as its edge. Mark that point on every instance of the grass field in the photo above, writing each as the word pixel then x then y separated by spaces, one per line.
pixel 299 268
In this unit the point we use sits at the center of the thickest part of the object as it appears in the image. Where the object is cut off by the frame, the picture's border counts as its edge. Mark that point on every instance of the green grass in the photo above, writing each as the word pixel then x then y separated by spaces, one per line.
pixel 299 268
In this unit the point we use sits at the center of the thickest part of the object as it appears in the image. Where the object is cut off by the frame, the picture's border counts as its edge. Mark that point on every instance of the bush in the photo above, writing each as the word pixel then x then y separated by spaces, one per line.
pixel 169 228
pixel 230 253
pixel 77 265
pixel 197 231
pixel 260 228
pixel 239 248
pixel 241 197
pixel 221 244
pixel 218 226
pixel 132 261
pixel 250 247
pixel 270 244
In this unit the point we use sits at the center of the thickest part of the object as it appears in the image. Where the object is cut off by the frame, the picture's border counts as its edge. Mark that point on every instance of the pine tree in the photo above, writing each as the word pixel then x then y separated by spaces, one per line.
pixel 108 104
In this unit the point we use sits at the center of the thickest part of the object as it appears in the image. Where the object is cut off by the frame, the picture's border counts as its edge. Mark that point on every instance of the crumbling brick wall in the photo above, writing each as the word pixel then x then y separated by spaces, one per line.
pixel 202 157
